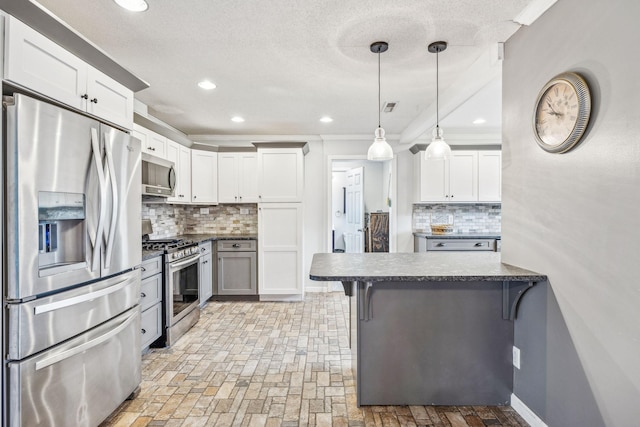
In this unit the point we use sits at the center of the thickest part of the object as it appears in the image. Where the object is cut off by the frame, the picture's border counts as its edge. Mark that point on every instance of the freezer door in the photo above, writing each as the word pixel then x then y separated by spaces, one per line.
pixel 45 322
pixel 122 242
pixel 79 382
pixel 54 195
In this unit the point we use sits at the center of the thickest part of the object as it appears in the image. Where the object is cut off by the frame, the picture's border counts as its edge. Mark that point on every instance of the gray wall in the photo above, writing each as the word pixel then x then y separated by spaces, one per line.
pixel 576 217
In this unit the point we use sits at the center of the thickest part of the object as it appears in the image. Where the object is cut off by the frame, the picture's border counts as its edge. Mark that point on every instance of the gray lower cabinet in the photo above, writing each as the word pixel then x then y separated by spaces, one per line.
pixel 237 267
pixel 423 244
pixel 206 272
pixel 151 301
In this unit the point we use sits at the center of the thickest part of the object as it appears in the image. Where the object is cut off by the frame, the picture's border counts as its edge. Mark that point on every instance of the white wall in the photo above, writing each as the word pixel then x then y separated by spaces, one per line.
pixel 575 217
pixel 338 219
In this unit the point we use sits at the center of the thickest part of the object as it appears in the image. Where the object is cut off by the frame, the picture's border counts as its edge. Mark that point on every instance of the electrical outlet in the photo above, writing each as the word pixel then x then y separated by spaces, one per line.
pixel 244 211
pixel 204 211
pixel 516 357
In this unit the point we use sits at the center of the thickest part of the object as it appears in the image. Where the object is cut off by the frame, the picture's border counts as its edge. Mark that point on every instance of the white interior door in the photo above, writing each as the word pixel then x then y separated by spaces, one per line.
pixel 354 236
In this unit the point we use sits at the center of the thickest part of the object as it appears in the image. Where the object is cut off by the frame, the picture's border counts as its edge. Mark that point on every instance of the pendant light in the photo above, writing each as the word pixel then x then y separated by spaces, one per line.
pixel 438 149
pixel 380 150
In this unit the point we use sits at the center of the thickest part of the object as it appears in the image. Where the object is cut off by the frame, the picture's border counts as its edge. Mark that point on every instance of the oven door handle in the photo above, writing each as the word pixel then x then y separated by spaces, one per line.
pixel 189 260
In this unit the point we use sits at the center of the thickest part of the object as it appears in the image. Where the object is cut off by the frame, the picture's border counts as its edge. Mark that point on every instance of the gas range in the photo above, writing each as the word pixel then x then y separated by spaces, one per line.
pixel 175 249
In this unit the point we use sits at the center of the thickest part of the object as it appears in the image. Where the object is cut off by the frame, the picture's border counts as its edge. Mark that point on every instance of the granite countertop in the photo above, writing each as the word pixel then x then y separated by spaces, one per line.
pixel 150 254
pixel 420 267
pixel 428 235
pixel 199 238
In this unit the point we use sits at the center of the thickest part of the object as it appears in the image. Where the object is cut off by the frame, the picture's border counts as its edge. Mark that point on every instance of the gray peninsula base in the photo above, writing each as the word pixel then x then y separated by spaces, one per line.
pixel 429 329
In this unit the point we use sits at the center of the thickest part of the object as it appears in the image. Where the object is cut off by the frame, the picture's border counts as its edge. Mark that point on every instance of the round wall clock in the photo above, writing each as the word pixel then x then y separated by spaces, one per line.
pixel 562 112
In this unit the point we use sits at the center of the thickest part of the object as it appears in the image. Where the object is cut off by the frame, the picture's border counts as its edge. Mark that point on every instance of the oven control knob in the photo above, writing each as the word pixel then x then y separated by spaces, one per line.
pixel 174 255
pixel 194 250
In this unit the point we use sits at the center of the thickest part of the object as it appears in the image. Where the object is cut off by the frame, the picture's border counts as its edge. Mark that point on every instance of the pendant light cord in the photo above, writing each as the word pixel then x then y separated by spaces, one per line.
pixel 378 88
pixel 437 91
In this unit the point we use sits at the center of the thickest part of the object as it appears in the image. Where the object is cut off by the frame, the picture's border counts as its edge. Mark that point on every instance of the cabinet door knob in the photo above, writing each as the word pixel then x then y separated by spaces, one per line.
pixel 194 197
pixel 142 295
pixel 144 331
pixel 85 96
pixel 94 100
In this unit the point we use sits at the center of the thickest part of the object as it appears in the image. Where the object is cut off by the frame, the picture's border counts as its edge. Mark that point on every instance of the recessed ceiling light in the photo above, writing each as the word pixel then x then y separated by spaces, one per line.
pixel 207 85
pixel 237 119
pixel 326 119
pixel 133 5
pixel 479 121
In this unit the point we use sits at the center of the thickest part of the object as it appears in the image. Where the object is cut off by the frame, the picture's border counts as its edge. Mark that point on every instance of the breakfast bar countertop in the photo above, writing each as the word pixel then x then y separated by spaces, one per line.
pixel 418 267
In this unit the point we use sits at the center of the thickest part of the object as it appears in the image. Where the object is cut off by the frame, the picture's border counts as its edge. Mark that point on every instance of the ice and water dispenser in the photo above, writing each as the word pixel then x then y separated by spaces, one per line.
pixel 61 232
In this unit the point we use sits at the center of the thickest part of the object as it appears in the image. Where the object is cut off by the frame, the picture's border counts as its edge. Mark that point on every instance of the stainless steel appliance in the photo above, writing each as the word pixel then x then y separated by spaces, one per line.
pixel 182 279
pixel 71 248
pixel 158 176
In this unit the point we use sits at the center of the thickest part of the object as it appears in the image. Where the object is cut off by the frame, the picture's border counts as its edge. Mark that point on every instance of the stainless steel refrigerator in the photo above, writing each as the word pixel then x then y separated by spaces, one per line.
pixel 71 250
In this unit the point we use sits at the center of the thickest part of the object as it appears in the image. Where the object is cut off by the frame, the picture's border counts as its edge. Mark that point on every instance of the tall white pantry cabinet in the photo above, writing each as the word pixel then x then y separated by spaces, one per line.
pixel 280 210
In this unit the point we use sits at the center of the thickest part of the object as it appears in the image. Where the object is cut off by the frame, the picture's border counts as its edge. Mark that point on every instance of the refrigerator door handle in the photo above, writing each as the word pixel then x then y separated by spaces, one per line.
pixel 95 242
pixel 86 346
pixel 114 207
pixel 45 308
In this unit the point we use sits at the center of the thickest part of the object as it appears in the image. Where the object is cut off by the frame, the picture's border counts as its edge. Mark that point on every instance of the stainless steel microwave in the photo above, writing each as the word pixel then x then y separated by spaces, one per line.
pixel 158 176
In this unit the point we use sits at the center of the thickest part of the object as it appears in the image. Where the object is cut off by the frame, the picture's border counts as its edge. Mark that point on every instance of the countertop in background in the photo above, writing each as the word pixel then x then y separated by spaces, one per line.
pixel 428 235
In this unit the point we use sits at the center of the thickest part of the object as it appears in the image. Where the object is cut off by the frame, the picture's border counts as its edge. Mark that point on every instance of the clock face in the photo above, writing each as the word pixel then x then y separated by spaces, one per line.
pixel 562 113
pixel 557 113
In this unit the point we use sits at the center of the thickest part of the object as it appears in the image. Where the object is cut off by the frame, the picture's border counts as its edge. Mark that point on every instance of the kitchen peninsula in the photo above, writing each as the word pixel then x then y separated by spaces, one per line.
pixel 429 328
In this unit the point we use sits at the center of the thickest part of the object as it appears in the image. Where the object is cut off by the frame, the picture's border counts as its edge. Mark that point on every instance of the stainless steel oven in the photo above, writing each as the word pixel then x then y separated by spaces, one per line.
pixel 182 284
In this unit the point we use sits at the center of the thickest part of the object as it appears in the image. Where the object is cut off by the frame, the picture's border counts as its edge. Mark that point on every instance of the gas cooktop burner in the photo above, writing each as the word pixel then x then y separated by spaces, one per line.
pixel 167 245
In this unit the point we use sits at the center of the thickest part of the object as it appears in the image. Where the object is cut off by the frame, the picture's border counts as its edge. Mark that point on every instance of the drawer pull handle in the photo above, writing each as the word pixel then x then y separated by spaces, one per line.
pixel 142 295
pixel 478 244
pixel 236 245
pixel 441 245
pixel 143 269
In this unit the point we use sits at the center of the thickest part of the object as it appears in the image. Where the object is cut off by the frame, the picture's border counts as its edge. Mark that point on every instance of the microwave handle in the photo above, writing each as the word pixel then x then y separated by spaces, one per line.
pixel 172 179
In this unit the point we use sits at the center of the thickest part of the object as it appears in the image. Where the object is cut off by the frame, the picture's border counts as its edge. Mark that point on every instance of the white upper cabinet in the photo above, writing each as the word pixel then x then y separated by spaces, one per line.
pixel 433 179
pixel 468 176
pixel 238 177
pixel 152 142
pixel 204 177
pixel 109 99
pixel 490 176
pixel 463 176
pixel 280 175
pixel 36 63
pixel 181 158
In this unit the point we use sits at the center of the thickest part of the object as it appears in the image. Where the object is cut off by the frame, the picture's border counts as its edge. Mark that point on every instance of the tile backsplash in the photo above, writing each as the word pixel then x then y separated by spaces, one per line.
pixel 467 218
pixel 170 220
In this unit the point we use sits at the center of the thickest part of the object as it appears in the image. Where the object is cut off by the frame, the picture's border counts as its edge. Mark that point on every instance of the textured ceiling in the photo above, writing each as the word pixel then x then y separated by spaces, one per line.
pixel 282 64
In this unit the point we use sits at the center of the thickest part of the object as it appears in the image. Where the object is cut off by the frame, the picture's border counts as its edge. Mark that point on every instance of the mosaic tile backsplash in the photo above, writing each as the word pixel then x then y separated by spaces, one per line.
pixel 170 220
pixel 467 218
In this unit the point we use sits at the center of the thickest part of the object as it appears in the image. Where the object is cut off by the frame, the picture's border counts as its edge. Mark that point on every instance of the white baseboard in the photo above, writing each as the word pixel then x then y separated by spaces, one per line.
pixel 526 413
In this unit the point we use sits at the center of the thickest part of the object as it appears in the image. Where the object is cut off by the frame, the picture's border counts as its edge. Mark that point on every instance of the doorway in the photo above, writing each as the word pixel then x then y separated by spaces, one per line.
pixel 361 191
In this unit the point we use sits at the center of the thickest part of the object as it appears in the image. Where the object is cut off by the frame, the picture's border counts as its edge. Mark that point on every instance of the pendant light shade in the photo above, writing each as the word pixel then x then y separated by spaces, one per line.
pixel 380 150
pixel 438 149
